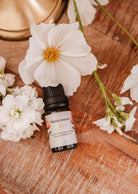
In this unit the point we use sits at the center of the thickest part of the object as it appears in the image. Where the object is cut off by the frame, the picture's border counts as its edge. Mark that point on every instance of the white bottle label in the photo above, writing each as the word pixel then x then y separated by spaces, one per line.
pixel 60 129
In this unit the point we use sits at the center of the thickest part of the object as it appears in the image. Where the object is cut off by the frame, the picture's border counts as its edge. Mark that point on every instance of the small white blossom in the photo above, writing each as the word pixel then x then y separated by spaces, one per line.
pixel 18 118
pixel 123 101
pixel 131 83
pixel 27 91
pixel 86 10
pixel 111 123
pixel 129 122
pixel 57 54
pixel 108 124
pixel 6 80
pixel 32 94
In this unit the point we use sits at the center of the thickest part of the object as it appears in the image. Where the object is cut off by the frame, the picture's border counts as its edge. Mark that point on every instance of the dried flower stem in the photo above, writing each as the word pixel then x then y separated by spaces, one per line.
pixel 129 138
pixel 114 20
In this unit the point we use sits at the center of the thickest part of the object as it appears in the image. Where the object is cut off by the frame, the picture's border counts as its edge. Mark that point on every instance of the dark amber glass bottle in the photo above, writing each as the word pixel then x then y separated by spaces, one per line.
pixel 59 119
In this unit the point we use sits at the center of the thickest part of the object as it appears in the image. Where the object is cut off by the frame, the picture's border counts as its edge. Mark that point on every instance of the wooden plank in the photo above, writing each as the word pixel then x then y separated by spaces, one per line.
pixel 102 163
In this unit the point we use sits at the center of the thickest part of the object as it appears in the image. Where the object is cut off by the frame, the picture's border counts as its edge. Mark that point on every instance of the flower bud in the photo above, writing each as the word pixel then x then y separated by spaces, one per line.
pixel 124 115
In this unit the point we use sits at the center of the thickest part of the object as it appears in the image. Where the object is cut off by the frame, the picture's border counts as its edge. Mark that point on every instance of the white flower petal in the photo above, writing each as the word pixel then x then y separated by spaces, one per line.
pixel 21 101
pixel 27 91
pixel 35 53
pixel 129 82
pixel 60 31
pixel 133 111
pixel 27 73
pixel 110 129
pixel 134 69
pixel 2 63
pixel 4 116
pixel 8 102
pixel 38 119
pixel 10 78
pixel 74 44
pixel 101 123
pixel 86 11
pixel 68 77
pixel 2 90
pixel 45 74
pixel 9 137
pixel 129 122
pixel 40 32
pixel 37 104
pixel 102 2
pixel 134 92
pixel 84 65
pixel 120 108
pixel 126 100
pixel 71 12
pixel 104 125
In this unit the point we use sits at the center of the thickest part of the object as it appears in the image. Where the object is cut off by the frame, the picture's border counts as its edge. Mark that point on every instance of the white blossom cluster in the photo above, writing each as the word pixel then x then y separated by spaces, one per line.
pixel 121 119
pixel 6 79
pixel 20 112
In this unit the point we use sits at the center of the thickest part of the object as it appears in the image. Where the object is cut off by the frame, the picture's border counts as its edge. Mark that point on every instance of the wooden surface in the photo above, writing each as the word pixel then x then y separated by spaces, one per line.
pixel 102 163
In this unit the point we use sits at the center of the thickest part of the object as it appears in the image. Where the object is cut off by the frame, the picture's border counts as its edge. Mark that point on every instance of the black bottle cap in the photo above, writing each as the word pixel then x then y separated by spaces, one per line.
pixel 54 97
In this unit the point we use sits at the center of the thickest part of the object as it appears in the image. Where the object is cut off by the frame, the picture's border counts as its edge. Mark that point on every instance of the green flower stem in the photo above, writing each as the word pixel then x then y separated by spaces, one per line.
pixel 2 96
pixel 99 92
pixel 113 19
pixel 100 84
pixel 108 102
pixel 108 90
pixel 78 16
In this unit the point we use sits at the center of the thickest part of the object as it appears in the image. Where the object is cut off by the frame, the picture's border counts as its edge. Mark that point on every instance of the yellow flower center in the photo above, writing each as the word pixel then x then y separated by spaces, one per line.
pixel 15 113
pixel 51 55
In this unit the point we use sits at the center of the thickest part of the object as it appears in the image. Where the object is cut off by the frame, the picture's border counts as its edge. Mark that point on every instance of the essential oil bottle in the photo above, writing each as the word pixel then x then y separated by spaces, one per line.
pixel 59 119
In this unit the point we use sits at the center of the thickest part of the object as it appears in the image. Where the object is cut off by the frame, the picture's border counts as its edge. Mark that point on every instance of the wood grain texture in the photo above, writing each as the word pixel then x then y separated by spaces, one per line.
pixel 102 163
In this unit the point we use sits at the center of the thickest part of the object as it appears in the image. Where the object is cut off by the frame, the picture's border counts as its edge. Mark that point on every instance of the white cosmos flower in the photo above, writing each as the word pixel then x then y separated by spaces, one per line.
pixel 18 118
pixel 129 122
pixel 86 10
pixel 6 80
pixel 106 124
pixel 123 101
pixel 131 83
pixel 57 54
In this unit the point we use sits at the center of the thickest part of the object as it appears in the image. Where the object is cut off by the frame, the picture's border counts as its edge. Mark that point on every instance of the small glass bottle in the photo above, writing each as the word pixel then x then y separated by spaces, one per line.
pixel 59 119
